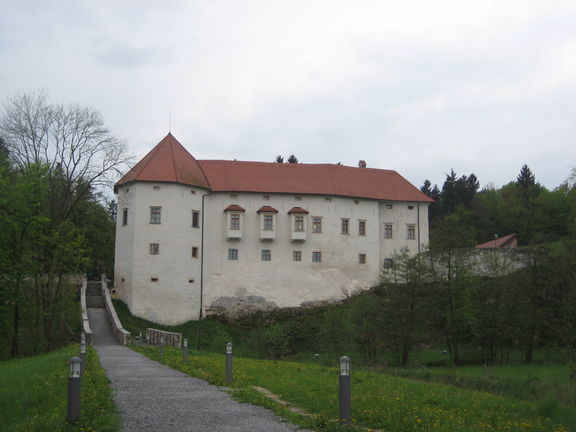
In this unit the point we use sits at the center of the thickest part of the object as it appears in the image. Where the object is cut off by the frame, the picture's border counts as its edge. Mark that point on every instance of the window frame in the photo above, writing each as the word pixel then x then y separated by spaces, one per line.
pixel 124 217
pixel 195 219
pixel 317 256
pixel 154 249
pixel 297 256
pixel 265 255
pixel 232 254
pixel 235 221
pixel 345 226
pixel 268 222
pixel 155 215
pixel 388 234
pixel 317 224
pixel 299 223
pixel 361 258
pixel 362 227
pixel 411 231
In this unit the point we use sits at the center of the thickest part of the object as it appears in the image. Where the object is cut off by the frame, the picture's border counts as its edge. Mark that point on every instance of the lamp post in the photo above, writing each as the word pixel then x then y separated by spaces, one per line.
pixel 229 376
pixel 345 391
pixel 73 414
pixel 185 351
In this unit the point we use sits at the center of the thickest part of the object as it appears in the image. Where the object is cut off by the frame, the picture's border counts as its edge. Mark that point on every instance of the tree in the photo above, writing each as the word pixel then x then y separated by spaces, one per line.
pixel 292 159
pixel 72 141
pixel 526 179
pixel 58 156
pixel 279 159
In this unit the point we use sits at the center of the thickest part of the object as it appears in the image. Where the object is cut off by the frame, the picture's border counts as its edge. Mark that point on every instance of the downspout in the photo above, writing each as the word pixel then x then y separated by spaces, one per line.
pixel 198 329
pixel 418 224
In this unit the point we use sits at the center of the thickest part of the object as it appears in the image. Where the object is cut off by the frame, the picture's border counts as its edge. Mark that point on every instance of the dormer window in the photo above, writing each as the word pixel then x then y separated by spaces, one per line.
pixel 267 222
pixel 298 223
pixel 234 222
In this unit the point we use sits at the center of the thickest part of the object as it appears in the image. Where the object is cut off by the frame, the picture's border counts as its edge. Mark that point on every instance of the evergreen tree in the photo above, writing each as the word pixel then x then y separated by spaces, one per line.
pixel 279 159
pixel 292 159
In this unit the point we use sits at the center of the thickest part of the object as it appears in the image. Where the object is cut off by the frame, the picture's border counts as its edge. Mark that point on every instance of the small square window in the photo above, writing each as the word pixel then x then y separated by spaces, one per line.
pixel 317 257
pixel 296 256
pixel 297 198
pixel 362 258
pixel 156 187
pixel 345 225
pixel 154 248
pixel 388 263
pixel 316 225
pixel 361 228
pixel 410 207
pixel 125 217
pixel 327 199
pixel 195 219
pixel 233 196
pixel 194 252
pixel 266 197
pixel 155 215
pixel 388 206
pixel 233 254
pixel 266 255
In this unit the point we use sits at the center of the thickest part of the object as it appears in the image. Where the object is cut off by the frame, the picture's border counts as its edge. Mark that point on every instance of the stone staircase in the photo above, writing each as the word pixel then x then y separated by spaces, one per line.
pixel 94 297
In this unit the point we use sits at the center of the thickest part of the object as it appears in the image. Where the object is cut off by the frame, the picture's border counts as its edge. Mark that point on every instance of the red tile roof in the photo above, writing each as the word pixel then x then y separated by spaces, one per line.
pixel 267 209
pixel 497 243
pixel 298 210
pixel 234 207
pixel 170 162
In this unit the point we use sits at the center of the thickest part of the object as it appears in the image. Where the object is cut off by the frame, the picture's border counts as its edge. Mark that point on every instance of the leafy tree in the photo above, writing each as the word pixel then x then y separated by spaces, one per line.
pixel 279 159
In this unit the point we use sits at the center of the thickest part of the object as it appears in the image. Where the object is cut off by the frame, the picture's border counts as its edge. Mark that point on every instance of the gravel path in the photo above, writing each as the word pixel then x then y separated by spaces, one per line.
pixel 153 397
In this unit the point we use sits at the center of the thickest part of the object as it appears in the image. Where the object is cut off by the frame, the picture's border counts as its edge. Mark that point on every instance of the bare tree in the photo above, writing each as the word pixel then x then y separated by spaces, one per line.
pixel 72 141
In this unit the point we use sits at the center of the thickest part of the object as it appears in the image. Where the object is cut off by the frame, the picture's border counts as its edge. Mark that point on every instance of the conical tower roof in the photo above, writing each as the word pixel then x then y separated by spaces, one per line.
pixel 169 162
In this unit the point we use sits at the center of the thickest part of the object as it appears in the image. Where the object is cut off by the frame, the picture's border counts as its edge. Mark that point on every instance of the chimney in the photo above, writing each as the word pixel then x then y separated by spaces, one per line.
pixel 361 164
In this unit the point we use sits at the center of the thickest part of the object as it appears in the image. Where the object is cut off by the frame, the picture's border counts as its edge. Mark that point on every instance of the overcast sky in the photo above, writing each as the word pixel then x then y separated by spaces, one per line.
pixel 417 86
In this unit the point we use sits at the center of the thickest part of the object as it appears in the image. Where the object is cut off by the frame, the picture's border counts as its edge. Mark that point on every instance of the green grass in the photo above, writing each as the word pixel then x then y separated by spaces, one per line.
pixel 34 394
pixel 379 401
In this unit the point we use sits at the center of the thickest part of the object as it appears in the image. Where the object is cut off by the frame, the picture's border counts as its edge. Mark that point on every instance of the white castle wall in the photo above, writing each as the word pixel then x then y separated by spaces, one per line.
pixel 175 296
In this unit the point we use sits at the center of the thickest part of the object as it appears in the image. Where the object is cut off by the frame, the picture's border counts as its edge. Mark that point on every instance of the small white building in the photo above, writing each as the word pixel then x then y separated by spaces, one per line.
pixel 196 237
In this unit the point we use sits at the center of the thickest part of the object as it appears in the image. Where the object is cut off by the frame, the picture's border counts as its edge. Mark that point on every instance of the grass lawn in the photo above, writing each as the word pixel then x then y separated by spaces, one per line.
pixel 34 394
pixel 379 401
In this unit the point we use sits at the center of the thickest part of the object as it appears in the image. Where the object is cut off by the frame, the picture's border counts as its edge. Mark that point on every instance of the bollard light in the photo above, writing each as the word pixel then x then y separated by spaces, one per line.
pixel 345 366
pixel 229 373
pixel 185 351
pixel 75 363
pixel 186 343
pixel 345 391
pixel 73 414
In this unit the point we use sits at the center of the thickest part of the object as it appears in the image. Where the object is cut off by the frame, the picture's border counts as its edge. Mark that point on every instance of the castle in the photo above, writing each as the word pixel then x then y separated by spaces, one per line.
pixel 200 236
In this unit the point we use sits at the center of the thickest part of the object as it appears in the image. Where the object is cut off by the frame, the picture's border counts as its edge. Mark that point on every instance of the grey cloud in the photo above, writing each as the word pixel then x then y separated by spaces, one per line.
pixel 122 55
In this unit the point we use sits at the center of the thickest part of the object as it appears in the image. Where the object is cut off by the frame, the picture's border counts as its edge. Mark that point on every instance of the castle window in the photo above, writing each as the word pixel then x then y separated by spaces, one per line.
pixel 195 219
pixel 234 221
pixel 299 223
pixel 362 258
pixel 154 248
pixel 345 224
pixel 125 217
pixel 316 224
pixel 388 231
pixel 233 254
pixel 194 252
pixel 361 228
pixel 266 255
pixel 268 222
pixel 317 257
pixel 155 215
pixel 296 256
pixel 411 232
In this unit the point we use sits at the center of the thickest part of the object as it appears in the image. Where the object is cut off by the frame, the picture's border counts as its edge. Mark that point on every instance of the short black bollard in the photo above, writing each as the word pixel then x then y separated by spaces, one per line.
pixel 74 391
pixel 162 347
pixel 82 353
pixel 185 351
pixel 345 397
pixel 229 376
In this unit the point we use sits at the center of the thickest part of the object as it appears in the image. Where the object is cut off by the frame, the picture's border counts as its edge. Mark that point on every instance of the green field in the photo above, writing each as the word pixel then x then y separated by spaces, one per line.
pixel 380 401
pixel 34 392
